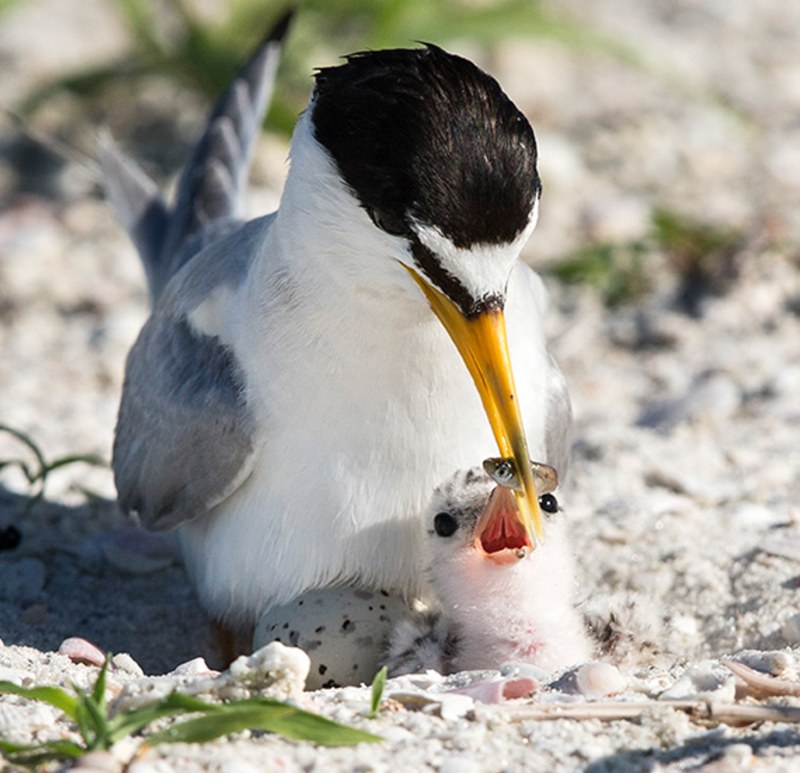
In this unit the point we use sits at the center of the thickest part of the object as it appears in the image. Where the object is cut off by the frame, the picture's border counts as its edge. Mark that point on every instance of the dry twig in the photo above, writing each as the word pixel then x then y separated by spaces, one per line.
pixel 724 713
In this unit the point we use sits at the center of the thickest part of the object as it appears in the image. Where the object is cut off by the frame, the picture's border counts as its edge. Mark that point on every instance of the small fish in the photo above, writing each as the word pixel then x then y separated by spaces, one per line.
pixel 503 471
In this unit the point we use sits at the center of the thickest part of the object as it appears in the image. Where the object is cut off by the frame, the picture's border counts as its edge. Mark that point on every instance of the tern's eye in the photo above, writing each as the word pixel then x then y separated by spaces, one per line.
pixel 394 225
pixel 548 503
pixel 445 525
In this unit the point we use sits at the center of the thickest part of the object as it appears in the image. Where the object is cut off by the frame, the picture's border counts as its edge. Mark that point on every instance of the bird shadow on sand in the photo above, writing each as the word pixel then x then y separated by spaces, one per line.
pixel 698 751
pixel 80 571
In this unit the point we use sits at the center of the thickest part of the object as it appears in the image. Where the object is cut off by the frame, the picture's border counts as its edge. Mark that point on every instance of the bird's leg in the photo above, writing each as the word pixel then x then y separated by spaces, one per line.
pixel 231 642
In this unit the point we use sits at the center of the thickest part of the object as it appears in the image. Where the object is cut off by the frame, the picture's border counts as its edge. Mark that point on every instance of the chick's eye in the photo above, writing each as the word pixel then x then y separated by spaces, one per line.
pixel 445 525
pixel 548 503
pixel 392 224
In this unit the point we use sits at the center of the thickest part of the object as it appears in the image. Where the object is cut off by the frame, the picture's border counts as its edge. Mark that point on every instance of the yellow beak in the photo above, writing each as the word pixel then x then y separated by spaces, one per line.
pixel 483 345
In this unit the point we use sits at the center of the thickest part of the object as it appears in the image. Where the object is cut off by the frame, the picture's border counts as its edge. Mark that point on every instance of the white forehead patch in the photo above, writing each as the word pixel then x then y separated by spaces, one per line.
pixel 483 269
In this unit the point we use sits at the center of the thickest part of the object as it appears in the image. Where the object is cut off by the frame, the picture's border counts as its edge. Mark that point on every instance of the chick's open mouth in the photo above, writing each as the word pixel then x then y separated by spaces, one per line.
pixel 500 532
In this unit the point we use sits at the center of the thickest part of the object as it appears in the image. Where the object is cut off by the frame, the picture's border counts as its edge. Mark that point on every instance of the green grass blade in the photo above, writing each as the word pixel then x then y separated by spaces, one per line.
pixel 93 460
pixel 99 689
pixel 95 727
pixel 84 723
pixel 376 694
pixel 36 754
pixel 55 696
pixel 263 714
pixel 175 703
pixel 28 442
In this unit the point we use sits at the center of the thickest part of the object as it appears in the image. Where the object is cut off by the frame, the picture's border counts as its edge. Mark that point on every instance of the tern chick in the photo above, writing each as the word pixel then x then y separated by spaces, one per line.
pixel 497 598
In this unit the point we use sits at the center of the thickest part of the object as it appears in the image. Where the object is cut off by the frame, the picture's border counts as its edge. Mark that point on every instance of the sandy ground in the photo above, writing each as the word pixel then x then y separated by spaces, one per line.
pixel 684 484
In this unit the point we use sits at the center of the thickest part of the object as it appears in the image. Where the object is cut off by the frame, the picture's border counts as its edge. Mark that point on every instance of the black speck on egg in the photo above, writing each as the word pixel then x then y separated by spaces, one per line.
pixel 294 637
pixel 319 629
pixel 348 626
pixel 322 669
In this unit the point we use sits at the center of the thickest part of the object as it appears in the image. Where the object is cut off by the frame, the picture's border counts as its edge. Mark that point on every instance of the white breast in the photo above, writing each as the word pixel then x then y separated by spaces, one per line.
pixel 362 404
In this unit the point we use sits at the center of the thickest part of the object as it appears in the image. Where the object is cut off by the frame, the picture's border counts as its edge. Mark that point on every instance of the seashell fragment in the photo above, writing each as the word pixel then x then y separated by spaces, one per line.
pixel 81 651
pixel 597 679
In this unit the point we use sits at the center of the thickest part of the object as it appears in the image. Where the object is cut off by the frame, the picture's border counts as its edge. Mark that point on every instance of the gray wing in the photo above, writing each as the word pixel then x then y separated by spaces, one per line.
pixel 184 434
pixel 558 407
pixel 184 437
pixel 558 421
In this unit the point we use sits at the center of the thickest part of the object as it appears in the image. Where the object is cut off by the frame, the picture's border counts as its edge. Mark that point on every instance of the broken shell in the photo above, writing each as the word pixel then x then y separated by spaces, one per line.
pixel 81 651
pixel 498 690
pixel 759 684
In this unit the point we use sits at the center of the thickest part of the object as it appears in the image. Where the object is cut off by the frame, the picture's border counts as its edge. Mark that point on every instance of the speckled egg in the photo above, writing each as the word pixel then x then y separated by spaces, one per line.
pixel 343 630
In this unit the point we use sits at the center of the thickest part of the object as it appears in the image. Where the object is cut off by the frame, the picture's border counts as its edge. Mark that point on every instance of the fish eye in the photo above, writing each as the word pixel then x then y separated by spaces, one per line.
pixel 504 471
pixel 548 503
pixel 445 525
pixel 390 223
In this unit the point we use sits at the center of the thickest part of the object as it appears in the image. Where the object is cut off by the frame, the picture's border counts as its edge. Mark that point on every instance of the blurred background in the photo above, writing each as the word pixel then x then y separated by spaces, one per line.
pixel 669 136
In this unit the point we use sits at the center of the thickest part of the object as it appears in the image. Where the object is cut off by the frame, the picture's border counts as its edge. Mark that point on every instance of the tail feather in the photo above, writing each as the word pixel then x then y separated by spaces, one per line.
pixel 137 204
pixel 211 188
pixel 213 182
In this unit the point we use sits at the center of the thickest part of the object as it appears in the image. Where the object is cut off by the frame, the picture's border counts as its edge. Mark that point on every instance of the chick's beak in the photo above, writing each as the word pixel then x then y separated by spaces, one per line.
pixel 481 340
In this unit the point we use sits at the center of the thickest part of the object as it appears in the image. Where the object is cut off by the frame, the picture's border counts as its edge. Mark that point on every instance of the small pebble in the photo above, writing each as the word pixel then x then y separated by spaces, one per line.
pixel 81 651
pixel 124 662
pixel 194 667
pixel 97 762
pixel 597 679
pixel 280 668
pixel 705 682
pixel 451 706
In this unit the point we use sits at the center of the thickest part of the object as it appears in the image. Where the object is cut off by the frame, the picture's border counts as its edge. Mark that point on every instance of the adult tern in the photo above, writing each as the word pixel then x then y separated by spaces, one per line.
pixel 296 393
